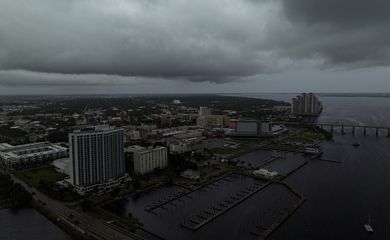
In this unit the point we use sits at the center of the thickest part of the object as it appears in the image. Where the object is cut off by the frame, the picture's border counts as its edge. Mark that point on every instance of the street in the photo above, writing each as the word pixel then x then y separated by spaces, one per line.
pixel 95 227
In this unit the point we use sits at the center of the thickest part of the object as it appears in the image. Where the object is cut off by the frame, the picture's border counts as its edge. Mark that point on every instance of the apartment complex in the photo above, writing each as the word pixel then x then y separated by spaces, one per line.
pixel 97 159
pixel 148 159
pixel 12 157
pixel 306 104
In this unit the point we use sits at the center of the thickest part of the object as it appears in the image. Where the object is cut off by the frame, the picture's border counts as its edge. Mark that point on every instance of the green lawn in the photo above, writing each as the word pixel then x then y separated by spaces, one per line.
pixel 229 150
pixel 306 137
pixel 43 178
pixel 223 150
pixel 33 176
pixel 7 204
pixel 4 117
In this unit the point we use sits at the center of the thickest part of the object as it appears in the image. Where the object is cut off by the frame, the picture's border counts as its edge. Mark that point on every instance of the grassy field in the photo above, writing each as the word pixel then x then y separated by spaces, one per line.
pixel 229 150
pixel 306 137
pixel 6 204
pixel 223 150
pixel 4 117
pixel 44 179
pixel 34 176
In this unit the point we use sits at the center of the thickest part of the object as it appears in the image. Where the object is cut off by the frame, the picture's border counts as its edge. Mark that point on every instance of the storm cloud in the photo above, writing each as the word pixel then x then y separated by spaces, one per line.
pixel 346 33
pixel 219 41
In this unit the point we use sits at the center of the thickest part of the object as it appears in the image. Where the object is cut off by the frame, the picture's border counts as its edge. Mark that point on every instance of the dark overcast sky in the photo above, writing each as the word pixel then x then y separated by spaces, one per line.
pixel 151 46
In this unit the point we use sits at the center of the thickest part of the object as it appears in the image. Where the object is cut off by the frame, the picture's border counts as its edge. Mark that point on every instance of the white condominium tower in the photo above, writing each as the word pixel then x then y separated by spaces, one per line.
pixel 306 104
pixel 96 156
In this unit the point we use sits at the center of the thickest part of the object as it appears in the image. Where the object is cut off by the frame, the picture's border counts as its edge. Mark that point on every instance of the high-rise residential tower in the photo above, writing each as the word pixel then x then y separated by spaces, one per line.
pixel 97 157
pixel 306 104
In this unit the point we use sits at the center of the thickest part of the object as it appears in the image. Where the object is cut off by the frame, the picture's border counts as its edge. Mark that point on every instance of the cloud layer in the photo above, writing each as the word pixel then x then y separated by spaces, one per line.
pixel 203 40
pixel 347 33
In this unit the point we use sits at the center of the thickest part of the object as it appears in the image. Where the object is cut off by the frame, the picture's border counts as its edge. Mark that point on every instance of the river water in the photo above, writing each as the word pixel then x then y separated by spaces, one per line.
pixel 26 223
pixel 342 197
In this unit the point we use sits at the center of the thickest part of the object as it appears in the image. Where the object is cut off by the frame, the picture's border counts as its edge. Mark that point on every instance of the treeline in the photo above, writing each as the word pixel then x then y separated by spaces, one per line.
pixel 57 192
pixel 180 163
pixel 327 135
pixel 13 194
pixel 217 101
pixel 78 104
pixel 13 135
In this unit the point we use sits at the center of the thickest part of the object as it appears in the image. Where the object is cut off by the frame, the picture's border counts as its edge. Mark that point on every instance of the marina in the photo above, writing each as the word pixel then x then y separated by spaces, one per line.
pixel 256 204
pixel 201 219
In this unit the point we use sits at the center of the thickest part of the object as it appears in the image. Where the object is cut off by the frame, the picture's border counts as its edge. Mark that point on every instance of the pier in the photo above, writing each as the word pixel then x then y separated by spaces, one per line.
pixel 184 192
pixel 161 202
pixel 265 235
pixel 201 219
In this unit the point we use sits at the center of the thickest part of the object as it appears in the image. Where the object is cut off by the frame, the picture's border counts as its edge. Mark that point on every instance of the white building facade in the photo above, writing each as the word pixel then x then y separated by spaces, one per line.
pixel 12 157
pixel 148 159
pixel 306 104
pixel 97 158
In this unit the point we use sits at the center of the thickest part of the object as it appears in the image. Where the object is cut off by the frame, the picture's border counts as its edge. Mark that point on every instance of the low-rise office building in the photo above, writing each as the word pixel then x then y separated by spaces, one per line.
pixel 213 121
pixel 252 128
pixel 178 148
pixel 197 144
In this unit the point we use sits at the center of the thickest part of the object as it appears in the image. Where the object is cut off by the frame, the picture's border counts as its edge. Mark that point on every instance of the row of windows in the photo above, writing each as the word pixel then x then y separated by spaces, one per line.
pixel 99 158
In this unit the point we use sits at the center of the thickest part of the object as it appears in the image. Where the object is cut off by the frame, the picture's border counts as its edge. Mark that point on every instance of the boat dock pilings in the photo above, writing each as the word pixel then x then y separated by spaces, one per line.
pixel 275 226
pixel 194 223
pixel 183 193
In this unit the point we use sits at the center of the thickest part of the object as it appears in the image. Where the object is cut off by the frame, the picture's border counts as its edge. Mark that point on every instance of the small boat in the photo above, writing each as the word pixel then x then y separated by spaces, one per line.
pixel 356 144
pixel 368 226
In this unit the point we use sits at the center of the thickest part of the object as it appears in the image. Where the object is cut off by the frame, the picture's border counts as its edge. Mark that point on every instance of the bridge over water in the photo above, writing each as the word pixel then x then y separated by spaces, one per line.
pixel 353 127
pixel 345 127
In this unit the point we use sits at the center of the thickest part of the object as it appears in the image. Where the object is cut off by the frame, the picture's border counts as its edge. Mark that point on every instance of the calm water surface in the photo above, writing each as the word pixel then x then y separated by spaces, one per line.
pixel 26 223
pixel 340 197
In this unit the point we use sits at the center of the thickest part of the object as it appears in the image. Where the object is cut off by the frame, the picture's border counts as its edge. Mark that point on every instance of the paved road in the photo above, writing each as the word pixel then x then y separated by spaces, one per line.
pixel 92 226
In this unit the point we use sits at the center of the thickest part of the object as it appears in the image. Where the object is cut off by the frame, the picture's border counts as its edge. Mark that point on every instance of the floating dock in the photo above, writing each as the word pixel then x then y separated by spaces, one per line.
pixel 202 218
pixel 161 202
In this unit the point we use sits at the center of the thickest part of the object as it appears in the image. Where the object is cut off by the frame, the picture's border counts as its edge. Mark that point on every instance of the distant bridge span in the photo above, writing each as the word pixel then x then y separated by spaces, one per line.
pixel 344 126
